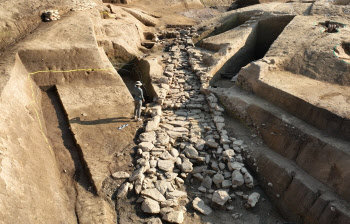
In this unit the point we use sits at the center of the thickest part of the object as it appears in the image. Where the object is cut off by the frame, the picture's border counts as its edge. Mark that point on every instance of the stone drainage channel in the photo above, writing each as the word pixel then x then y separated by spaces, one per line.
pixel 186 141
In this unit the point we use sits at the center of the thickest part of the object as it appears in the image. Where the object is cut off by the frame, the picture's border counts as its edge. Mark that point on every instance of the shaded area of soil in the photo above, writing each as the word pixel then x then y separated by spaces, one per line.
pixel 64 136
pixel 256 47
pixel 234 21
pixel 130 74
pixel 65 148
pixel 239 129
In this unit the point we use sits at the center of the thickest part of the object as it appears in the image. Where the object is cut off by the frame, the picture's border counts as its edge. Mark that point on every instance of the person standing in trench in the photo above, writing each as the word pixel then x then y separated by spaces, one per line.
pixel 138 100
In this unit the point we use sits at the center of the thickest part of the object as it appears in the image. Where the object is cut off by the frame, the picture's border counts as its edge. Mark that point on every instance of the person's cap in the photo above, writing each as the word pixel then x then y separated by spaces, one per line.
pixel 138 83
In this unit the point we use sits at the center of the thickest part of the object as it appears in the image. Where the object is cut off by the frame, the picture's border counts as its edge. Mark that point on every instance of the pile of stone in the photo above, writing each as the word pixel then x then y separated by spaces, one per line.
pixel 186 141
pixel 51 15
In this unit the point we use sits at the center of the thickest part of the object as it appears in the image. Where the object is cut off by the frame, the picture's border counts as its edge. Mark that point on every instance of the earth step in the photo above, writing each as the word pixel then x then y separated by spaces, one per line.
pixel 327 119
pixel 293 138
pixel 299 197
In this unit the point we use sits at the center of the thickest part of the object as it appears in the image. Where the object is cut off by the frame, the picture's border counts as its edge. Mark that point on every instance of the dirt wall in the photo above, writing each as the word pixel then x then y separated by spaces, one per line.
pixel 30 186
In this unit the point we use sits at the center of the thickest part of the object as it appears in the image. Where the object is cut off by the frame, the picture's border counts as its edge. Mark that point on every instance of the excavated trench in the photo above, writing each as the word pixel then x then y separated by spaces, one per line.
pixel 130 74
pixel 234 21
pixel 77 178
pixel 73 169
pixel 257 45
pixel 52 104
pixel 68 154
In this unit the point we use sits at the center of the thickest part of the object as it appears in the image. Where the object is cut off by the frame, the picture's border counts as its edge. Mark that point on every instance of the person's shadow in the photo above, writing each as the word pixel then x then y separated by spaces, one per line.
pixel 77 120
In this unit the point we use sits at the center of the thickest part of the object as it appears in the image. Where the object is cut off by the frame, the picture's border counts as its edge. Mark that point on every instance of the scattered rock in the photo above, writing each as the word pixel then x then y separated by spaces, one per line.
pixel 220 197
pixel 253 199
pixel 237 178
pixel 212 144
pixel 150 206
pixel 174 217
pixel 154 221
pixel 199 205
pixel 154 194
pixel 123 190
pixel 207 182
pixel 191 152
pixel 166 165
pixel 146 146
pixel 148 137
pixel 187 166
pixel 200 144
pixel 218 179
pixel 176 194
pixel 226 184
pixel 137 174
pixel 248 179
pixel 120 175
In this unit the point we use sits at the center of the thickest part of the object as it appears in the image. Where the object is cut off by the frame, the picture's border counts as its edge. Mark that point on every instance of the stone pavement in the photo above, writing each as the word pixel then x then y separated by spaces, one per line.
pixel 186 139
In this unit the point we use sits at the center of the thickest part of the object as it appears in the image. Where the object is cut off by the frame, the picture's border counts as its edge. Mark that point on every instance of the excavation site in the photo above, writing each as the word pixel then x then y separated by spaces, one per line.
pixel 175 111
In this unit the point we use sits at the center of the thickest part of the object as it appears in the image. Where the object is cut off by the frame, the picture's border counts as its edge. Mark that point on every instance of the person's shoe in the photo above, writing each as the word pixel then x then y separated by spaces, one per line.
pixel 139 119
pixel 135 118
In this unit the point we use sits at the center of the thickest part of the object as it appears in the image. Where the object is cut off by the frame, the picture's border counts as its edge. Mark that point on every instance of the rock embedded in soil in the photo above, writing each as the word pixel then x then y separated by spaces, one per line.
pixel 248 179
pixel 174 217
pixel 191 152
pixel 120 175
pixel 228 154
pixel 153 124
pixel 176 194
pixel 148 137
pixel 169 203
pixel 226 184
pixel 123 190
pixel 212 144
pixel 166 165
pixel 207 182
pixel 237 178
pixel 187 166
pixel 146 146
pixel 200 144
pixel 253 199
pixel 220 197
pixel 218 179
pixel 154 221
pixel 199 205
pixel 234 166
pixel 137 174
pixel 150 206
pixel 154 194
pixel 199 169
pixel 162 186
